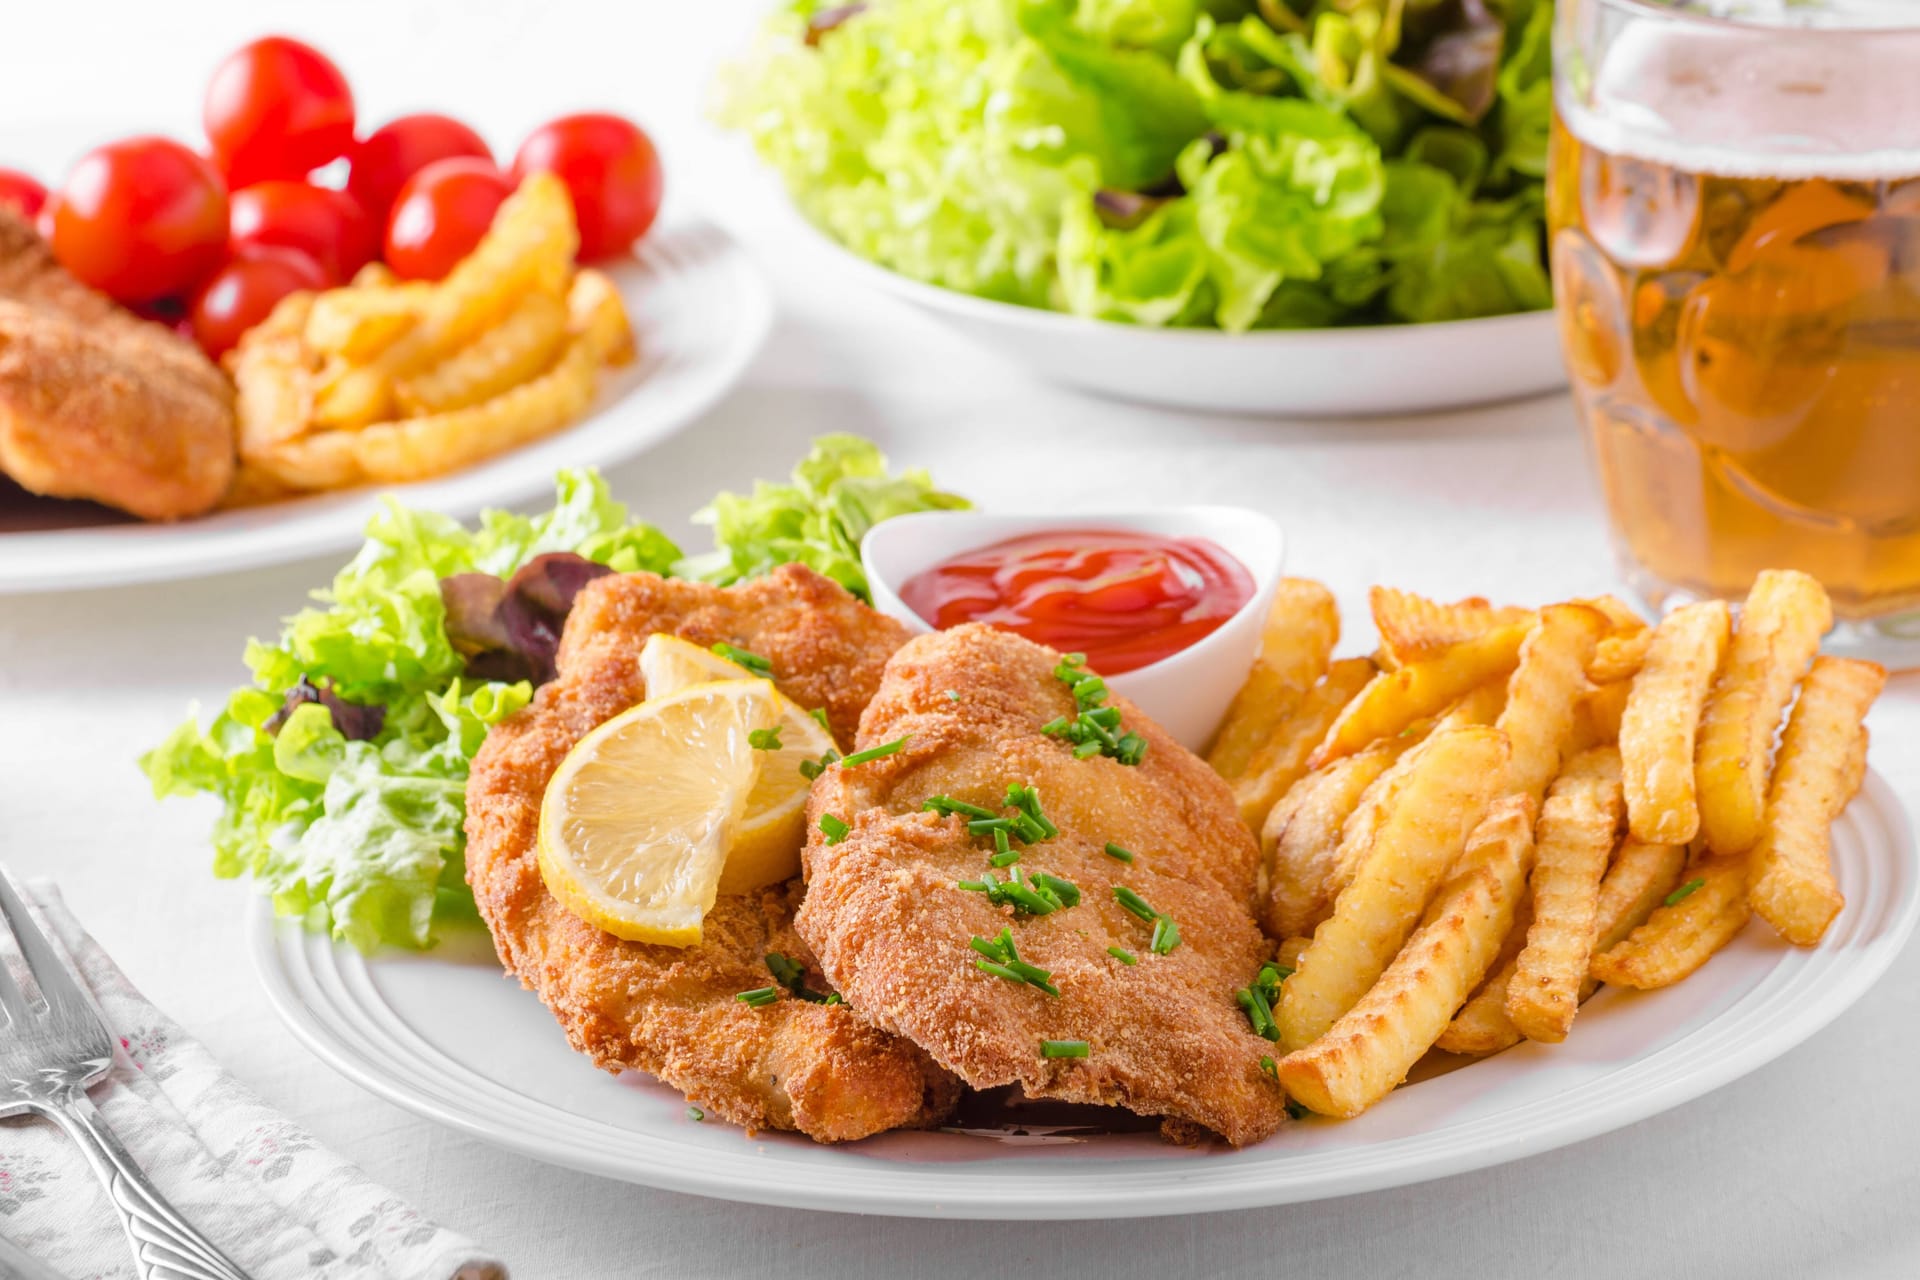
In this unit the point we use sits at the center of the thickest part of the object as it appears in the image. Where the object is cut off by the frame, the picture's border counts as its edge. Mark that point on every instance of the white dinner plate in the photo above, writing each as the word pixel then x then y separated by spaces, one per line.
pixel 1370 369
pixel 448 1036
pixel 700 310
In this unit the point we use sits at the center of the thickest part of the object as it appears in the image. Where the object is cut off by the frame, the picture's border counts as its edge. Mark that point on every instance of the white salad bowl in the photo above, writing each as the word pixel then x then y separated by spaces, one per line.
pixel 1350 371
pixel 1187 692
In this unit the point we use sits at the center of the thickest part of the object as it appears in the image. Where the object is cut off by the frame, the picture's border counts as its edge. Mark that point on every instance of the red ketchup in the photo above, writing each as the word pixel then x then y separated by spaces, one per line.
pixel 1124 599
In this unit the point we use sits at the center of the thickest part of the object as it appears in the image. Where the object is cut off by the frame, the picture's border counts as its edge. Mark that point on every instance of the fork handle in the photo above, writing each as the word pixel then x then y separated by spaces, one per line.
pixel 165 1245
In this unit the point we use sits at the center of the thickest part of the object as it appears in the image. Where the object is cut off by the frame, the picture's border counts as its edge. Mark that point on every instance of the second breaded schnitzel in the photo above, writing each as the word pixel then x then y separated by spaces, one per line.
pixel 671 1011
pixel 96 402
pixel 895 932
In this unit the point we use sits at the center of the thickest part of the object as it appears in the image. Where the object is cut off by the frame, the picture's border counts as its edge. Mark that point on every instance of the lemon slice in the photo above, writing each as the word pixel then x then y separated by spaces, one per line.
pixel 767 840
pixel 637 822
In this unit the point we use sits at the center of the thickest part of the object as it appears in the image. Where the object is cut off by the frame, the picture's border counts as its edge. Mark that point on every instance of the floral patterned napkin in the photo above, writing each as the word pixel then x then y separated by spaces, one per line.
pixel 257 1184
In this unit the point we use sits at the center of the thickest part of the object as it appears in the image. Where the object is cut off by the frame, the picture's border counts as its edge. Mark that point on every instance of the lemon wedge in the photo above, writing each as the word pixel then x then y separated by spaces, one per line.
pixel 767 839
pixel 637 823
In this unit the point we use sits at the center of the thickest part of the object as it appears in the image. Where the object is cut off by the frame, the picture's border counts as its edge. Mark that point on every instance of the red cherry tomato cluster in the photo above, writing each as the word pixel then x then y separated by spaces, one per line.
pixel 211 242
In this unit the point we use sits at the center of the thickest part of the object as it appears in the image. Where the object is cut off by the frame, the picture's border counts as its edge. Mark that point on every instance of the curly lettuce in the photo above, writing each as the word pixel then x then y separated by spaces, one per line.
pixel 1168 162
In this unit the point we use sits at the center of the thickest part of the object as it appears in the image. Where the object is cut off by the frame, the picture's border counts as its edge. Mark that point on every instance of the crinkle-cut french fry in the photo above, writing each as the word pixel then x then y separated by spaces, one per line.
pixel 1295 645
pixel 1780 627
pixel 1443 799
pixel 517 349
pixel 1482 1025
pixel 1374 1044
pixel 358 323
pixel 597 312
pixel 1288 953
pixel 414 448
pixel 1638 880
pixel 347 397
pixel 1541 696
pixel 1596 716
pixel 1303 836
pixel 1394 700
pixel 1682 935
pixel 1793 887
pixel 1622 618
pixel 1662 715
pixel 273 377
pixel 1482 706
pixel 1282 760
pixel 1619 656
pixel 1413 628
pixel 1573 842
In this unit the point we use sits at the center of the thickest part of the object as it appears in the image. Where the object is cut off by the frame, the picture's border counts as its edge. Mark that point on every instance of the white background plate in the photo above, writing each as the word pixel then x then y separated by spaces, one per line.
pixel 700 310
pixel 449 1037
pixel 1372 369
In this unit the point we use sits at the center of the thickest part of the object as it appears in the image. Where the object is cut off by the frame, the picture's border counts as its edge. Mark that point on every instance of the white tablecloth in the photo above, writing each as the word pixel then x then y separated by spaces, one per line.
pixel 1807 1167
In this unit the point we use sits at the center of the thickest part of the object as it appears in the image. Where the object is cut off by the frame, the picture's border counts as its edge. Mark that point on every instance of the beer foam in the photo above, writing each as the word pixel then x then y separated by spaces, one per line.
pixel 1745 103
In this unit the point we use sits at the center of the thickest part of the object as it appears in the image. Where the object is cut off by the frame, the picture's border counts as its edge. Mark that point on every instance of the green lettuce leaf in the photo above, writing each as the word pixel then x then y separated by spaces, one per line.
pixel 1454 258
pixel 838 491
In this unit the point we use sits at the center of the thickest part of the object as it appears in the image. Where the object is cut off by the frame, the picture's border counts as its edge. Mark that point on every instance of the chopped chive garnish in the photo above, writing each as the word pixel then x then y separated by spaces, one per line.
pixel 785 971
pixel 946 807
pixel 1088 749
pixel 1268 1065
pixel 991 950
pixel 792 975
pixel 1094 728
pixel 1002 846
pixel 998 970
pixel 1133 902
pixel 759 996
pixel 764 739
pixel 1006 857
pixel 1116 852
pixel 1123 955
pixel 1294 1110
pixel 833 998
pixel 820 715
pixel 696 1115
pixel 1066 890
pixel 1280 972
pixel 875 753
pixel 985 826
pixel 952 696
pixel 1063 1048
pixel 971 886
pixel 1258 1000
pixel 811 769
pixel 1003 961
pixel 1680 894
pixel 742 657
pixel 1056 726
pixel 835 830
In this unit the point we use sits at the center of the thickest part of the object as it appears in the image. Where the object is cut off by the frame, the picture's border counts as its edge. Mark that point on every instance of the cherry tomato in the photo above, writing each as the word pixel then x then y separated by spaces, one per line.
pixel 239 295
pixel 441 213
pixel 24 193
pixel 398 149
pixel 611 170
pixel 140 219
pixel 329 227
pixel 277 108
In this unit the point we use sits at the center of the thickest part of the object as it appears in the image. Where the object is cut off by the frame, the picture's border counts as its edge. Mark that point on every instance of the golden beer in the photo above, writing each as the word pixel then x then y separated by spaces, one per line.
pixel 1735 237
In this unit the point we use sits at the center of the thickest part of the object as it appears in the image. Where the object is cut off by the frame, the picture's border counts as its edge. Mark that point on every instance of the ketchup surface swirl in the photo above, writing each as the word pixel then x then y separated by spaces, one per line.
pixel 1125 599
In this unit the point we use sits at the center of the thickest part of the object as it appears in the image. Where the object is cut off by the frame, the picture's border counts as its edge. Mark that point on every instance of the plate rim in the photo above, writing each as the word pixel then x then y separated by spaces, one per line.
pixel 1165 1190
pixel 748 315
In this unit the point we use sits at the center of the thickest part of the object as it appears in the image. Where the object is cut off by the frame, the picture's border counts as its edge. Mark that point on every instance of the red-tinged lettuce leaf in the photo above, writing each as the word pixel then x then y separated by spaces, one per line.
pixel 510 629
pixel 357 722
pixel 1449 58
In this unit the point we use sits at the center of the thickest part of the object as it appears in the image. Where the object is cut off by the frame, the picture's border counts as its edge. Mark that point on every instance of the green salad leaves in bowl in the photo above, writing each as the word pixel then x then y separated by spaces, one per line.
pixel 1186 166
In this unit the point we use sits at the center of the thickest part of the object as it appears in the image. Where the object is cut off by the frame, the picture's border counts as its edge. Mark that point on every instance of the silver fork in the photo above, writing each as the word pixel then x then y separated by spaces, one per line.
pixel 51 1051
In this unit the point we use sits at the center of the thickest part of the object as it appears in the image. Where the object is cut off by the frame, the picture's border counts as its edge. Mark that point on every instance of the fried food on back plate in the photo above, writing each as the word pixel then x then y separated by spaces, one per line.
pixel 672 1011
pixel 894 933
pixel 97 403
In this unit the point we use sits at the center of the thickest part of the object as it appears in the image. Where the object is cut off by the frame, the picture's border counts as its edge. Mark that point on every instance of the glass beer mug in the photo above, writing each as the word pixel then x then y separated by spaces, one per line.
pixel 1734 209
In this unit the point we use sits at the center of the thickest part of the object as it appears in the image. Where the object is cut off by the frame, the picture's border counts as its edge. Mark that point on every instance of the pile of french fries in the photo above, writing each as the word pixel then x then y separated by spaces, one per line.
pixel 385 381
pixel 1469 832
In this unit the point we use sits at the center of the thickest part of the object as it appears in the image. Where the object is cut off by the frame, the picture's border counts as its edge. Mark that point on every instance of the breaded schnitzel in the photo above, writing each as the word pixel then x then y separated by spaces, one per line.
pixel 894 932
pixel 96 402
pixel 671 1011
